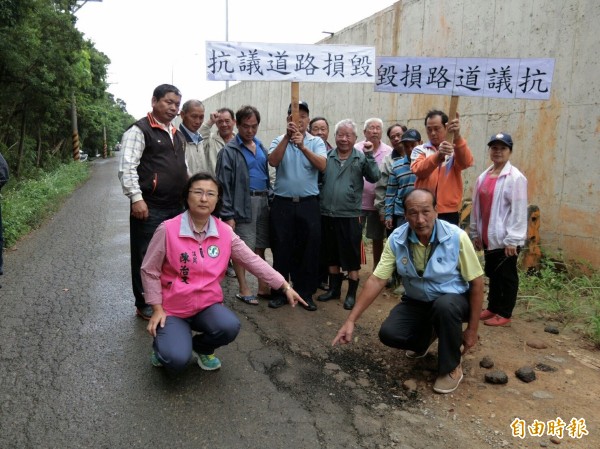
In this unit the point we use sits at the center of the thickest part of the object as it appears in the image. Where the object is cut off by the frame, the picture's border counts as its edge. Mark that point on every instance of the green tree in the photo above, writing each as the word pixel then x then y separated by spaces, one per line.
pixel 44 61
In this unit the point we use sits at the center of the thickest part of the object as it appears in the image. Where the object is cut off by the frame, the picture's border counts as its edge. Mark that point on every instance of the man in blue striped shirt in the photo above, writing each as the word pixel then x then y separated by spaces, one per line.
pixel 401 181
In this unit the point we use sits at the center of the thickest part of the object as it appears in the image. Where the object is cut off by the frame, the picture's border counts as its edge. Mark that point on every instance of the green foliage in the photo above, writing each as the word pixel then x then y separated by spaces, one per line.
pixel 26 204
pixel 569 294
pixel 45 62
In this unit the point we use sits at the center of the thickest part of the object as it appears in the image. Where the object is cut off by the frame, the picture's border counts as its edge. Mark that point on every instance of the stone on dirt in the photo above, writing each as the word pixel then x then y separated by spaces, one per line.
pixel 486 362
pixel 545 368
pixel 526 374
pixel 536 344
pixel 496 377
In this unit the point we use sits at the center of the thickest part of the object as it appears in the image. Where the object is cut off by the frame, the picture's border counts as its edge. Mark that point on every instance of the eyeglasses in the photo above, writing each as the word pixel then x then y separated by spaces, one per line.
pixel 201 193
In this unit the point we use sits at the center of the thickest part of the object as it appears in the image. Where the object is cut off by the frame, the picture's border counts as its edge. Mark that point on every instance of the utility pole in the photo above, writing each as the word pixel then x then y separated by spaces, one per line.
pixel 226 31
pixel 74 8
pixel 75 131
pixel 105 147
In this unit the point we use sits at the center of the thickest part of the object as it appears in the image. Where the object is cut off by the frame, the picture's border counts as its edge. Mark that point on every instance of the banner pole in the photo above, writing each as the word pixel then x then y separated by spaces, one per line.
pixel 295 102
pixel 452 116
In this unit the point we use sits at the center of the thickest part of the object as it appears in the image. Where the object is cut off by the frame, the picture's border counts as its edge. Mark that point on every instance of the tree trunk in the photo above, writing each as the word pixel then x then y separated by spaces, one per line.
pixel 38 159
pixel 21 149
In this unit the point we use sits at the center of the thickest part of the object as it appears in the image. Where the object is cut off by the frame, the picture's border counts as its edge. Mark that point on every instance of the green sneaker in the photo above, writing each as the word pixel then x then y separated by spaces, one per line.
pixel 154 360
pixel 208 362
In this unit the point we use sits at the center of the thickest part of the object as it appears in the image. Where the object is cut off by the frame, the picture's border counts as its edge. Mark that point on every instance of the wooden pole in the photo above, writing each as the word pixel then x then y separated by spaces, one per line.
pixel 295 102
pixel 532 252
pixel 452 116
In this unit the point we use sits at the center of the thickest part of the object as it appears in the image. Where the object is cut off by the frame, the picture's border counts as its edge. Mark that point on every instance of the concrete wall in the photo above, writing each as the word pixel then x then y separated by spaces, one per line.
pixel 556 141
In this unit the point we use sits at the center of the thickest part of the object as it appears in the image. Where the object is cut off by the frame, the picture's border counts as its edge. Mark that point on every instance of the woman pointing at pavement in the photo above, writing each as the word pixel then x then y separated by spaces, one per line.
pixel 182 270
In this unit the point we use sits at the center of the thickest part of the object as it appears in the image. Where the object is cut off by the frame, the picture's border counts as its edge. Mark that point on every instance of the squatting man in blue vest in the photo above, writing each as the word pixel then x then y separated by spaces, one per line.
pixel 443 283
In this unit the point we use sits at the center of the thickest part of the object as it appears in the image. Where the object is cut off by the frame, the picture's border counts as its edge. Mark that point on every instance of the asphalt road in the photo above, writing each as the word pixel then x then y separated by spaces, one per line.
pixel 74 359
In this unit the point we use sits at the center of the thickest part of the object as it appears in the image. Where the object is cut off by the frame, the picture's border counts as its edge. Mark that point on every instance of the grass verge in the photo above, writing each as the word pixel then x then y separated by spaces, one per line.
pixel 26 204
pixel 566 293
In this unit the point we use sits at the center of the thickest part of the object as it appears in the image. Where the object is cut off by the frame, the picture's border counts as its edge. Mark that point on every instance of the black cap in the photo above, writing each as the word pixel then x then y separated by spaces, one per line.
pixel 301 105
pixel 501 137
pixel 411 135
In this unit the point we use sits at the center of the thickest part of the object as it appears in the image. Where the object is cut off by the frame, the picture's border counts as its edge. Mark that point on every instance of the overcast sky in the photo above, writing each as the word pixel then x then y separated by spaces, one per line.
pixel 151 42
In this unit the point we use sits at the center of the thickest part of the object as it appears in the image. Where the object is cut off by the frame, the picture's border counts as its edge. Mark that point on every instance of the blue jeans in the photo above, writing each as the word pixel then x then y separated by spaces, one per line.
pixel 173 344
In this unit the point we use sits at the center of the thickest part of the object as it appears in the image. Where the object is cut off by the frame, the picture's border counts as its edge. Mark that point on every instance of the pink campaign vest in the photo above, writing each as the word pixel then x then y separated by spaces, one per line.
pixel 192 272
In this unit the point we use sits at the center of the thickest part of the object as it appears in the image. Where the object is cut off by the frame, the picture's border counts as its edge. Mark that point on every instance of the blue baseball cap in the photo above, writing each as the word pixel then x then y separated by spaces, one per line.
pixel 501 137
pixel 411 135
pixel 301 105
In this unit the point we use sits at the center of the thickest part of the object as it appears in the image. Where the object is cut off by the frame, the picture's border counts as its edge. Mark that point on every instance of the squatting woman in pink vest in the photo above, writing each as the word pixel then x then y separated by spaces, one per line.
pixel 182 273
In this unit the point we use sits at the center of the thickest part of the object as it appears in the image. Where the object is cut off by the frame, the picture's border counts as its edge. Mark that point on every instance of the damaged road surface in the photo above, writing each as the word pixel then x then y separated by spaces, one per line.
pixel 76 372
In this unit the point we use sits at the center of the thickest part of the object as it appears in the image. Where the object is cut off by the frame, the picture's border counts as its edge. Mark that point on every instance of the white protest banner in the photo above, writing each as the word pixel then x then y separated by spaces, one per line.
pixel 479 77
pixel 241 61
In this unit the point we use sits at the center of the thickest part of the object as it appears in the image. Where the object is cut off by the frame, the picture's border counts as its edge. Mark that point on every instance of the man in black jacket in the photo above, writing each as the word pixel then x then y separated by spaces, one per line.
pixel 243 172
pixel 153 174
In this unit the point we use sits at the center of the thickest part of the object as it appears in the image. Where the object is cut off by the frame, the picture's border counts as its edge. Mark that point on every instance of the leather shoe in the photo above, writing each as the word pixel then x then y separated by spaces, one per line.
pixel 311 304
pixel 277 302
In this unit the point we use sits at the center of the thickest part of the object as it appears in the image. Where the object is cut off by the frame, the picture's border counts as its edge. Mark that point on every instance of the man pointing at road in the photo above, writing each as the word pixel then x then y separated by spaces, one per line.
pixel 443 281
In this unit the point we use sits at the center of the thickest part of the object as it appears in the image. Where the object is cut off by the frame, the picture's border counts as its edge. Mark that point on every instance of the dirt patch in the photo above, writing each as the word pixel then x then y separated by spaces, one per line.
pixel 370 375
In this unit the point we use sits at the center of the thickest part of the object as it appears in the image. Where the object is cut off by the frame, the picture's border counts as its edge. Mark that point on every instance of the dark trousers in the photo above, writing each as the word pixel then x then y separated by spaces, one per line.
pixel 173 344
pixel 450 217
pixel 140 234
pixel 504 282
pixel 323 270
pixel 410 325
pixel 295 241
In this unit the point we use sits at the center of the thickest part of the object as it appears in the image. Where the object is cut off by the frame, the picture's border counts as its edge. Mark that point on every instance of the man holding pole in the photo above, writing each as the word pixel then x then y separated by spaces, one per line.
pixel 438 164
pixel 295 213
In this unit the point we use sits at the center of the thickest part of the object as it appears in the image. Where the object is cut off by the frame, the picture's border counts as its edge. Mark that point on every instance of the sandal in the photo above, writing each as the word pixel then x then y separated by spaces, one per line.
pixel 250 299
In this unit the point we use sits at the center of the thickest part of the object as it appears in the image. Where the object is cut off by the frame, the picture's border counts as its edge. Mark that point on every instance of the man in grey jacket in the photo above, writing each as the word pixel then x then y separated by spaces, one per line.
pixel 243 172
pixel 192 117
pixel 341 198
pixel 213 142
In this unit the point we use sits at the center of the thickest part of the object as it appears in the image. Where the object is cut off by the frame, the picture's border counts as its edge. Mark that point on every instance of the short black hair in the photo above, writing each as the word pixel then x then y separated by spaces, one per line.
pixel 389 130
pixel 245 112
pixel 316 119
pixel 435 112
pixel 409 194
pixel 164 89
pixel 220 111
pixel 202 176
